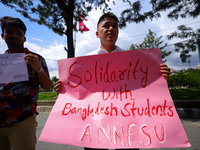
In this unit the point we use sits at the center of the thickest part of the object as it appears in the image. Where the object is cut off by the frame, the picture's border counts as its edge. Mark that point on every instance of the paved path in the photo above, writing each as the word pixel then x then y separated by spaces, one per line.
pixel 192 128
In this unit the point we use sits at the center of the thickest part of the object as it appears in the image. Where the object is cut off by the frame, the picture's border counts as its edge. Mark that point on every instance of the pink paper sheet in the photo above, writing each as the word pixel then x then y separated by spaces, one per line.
pixel 117 100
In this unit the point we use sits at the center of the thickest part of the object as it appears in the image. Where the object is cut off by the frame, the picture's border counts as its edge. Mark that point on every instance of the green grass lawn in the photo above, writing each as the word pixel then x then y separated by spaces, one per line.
pixel 177 94
pixel 47 95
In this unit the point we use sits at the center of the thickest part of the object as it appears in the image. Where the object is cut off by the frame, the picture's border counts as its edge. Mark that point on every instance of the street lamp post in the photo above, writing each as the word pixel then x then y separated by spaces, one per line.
pixel 198 46
pixel 189 61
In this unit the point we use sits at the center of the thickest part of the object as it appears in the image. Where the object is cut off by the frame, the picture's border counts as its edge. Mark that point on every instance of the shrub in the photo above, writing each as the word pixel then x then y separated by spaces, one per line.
pixel 182 79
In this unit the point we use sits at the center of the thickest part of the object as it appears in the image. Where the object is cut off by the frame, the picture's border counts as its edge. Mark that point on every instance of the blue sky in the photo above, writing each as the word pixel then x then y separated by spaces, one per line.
pixel 45 42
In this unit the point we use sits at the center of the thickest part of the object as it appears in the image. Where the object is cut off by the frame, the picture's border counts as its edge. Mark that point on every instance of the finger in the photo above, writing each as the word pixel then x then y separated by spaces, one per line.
pixel 167 71
pixel 58 82
pixel 165 67
pixel 30 57
pixel 166 74
pixel 166 77
pixel 57 87
pixel 57 90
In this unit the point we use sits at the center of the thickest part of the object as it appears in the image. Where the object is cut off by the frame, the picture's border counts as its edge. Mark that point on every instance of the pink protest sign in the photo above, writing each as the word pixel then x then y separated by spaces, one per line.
pixel 117 100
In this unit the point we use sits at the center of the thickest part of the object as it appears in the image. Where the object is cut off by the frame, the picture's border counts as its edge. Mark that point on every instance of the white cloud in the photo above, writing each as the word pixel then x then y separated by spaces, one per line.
pixel 51 54
pixel 3 46
pixel 33 47
pixel 38 39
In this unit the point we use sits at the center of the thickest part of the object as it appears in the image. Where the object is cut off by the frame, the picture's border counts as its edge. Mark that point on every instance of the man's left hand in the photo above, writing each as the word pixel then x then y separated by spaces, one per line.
pixel 165 70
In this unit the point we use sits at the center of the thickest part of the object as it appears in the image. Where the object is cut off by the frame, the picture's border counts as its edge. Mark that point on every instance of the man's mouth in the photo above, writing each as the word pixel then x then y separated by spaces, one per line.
pixel 110 34
pixel 14 39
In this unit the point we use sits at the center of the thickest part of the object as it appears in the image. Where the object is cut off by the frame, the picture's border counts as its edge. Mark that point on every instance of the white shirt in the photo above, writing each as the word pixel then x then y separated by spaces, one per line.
pixel 103 51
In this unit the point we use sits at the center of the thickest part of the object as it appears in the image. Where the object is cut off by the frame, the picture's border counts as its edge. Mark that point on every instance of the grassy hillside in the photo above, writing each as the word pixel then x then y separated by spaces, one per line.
pixel 177 94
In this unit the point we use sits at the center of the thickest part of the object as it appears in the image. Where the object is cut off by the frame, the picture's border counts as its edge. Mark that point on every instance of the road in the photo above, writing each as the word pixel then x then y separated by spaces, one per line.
pixel 191 126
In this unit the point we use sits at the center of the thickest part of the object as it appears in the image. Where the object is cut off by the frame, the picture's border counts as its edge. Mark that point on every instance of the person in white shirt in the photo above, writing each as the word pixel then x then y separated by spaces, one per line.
pixel 103 51
pixel 107 32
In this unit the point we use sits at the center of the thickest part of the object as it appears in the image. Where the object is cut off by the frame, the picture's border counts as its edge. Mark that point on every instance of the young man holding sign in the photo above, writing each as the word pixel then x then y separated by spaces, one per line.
pixel 107 32
pixel 18 100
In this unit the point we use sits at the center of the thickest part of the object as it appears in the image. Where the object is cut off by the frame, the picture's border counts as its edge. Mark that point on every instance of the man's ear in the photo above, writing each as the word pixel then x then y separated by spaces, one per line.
pixel 24 39
pixel 97 34
pixel 2 35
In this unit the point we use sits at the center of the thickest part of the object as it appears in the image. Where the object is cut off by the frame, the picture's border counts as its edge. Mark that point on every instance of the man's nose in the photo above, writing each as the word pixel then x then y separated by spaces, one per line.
pixel 14 34
pixel 111 28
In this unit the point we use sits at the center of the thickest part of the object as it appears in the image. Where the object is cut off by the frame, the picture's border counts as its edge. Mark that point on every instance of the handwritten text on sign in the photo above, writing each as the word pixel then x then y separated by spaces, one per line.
pixel 13 68
pixel 117 100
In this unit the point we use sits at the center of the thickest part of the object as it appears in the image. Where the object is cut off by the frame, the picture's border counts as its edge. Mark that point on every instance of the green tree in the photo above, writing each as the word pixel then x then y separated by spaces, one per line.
pixel 186 46
pixel 62 15
pixel 177 9
pixel 53 81
pixel 188 78
pixel 150 41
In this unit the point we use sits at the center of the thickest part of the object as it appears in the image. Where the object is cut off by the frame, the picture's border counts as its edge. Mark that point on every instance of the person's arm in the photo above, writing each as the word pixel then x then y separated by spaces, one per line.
pixel 165 70
pixel 44 80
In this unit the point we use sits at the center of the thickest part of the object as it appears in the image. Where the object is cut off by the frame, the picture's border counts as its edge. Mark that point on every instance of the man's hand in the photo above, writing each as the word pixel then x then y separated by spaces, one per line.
pixel 44 80
pixel 165 71
pixel 32 60
pixel 57 86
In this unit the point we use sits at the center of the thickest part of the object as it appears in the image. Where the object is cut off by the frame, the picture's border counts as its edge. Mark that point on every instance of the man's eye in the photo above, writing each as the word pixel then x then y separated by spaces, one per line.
pixel 19 33
pixel 12 32
pixel 9 32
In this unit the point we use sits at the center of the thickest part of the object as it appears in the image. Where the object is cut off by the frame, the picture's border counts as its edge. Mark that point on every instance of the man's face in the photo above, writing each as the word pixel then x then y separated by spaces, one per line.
pixel 13 36
pixel 107 31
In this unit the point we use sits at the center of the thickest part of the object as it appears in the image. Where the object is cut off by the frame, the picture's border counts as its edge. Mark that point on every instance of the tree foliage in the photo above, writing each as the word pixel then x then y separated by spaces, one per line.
pixel 62 15
pixel 188 78
pixel 186 46
pixel 150 41
pixel 54 79
pixel 177 9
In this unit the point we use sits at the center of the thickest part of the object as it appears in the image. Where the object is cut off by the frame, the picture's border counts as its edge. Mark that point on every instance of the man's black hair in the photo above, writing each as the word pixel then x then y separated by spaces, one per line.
pixel 10 21
pixel 109 14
